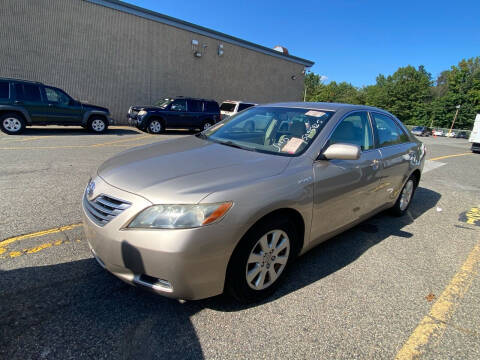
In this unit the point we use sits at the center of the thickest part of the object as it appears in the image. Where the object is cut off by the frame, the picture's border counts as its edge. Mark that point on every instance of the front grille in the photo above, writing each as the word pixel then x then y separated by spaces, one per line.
pixel 134 113
pixel 104 208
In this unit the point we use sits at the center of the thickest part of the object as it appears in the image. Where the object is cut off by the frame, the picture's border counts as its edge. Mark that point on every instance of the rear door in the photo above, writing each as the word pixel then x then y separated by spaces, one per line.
pixel 396 154
pixel 345 189
pixel 29 96
pixel 62 109
pixel 194 114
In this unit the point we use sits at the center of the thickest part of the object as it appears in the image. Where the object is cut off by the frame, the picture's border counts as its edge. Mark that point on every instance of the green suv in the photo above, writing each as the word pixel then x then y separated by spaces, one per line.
pixel 26 103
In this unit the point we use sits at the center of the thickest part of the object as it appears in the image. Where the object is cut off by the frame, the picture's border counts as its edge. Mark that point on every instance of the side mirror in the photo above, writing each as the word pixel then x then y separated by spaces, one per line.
pixel 342 152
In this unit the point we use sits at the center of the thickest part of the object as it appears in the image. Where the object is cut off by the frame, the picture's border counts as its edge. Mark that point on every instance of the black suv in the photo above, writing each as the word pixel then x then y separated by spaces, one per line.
pixel 180 113
pixel 25 103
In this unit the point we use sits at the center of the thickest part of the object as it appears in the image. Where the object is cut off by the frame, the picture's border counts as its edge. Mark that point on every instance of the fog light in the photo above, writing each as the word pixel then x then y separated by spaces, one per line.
pixel 153 283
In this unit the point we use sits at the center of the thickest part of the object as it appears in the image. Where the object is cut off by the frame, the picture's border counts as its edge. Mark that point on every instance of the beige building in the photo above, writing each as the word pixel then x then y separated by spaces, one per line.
pixel 114 54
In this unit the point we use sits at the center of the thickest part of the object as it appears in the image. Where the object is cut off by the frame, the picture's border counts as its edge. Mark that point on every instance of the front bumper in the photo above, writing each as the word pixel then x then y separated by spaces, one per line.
pixel 179 263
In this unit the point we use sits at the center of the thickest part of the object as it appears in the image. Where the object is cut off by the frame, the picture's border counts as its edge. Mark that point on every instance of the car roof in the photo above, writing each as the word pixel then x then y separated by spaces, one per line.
pixel 239 102
pixel 21 80
pixel 191 98
pixel 325 106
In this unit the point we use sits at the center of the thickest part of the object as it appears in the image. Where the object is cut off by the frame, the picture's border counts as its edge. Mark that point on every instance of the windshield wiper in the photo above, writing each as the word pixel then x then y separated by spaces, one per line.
pixel 232 144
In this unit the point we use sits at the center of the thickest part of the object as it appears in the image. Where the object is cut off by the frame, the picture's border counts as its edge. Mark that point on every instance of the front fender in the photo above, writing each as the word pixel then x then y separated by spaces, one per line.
pixel 89 113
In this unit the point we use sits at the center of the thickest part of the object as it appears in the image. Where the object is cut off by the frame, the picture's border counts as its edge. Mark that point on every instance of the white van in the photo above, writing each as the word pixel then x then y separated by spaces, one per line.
pixel 475 135
pixel 231 107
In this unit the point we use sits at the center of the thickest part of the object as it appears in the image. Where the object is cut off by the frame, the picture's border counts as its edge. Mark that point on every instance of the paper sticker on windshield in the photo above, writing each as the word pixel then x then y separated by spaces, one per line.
pixel 292 145
pixel 315 113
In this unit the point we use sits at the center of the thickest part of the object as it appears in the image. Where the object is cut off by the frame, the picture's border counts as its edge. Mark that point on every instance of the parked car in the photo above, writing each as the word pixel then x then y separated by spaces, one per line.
pixel 462 135
pixel 421 131
pixel 438 132
pixel 451 134
pixel 25 103
pixel 180 113
pixel 229 208
pixel 231 107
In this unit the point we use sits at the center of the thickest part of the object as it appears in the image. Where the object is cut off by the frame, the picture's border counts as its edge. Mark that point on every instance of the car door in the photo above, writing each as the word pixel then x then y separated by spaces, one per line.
pixel 345 190
pixel 62 109
pixel 176 116
pixel 194 115
pixel 29 96
pixel 397 151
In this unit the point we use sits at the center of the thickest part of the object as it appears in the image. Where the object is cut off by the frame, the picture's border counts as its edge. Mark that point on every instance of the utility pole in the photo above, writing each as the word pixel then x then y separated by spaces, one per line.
pixel 305 84
pixel 455 118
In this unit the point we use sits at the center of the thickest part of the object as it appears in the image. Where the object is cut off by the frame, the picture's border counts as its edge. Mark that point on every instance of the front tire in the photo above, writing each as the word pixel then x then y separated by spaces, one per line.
pixel 155 126
pixel 258 264
pixel 97 125
pixel 12 124
pixel 405 198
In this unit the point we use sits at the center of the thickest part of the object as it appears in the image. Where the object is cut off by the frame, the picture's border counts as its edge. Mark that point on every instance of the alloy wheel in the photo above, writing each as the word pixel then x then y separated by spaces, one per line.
pixel 406 196
pixel 155 126
pixel 12 124
pixel 98 125
pixel 267 259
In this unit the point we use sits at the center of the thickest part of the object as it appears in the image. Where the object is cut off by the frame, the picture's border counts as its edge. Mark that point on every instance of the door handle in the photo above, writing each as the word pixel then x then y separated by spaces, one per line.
pixel 375 164
pixel 18 102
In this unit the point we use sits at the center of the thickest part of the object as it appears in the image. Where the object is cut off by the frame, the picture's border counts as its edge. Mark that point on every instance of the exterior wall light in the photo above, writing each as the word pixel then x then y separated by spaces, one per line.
pixel 220 50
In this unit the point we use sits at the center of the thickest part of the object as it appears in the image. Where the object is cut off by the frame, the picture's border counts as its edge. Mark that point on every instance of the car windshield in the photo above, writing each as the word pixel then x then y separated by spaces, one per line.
pixel 274 130
pixel 227 107
pixel 162 103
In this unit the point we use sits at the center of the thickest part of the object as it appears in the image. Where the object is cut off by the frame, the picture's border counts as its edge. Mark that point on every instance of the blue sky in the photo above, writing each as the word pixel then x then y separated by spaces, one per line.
pixel 348 40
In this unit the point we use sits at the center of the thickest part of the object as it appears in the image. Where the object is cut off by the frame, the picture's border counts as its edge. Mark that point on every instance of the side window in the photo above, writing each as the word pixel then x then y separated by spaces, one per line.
pixel 179 105
pixel 4 90
pixel 211 107
pixel 194 106
pixel 56 96
pixel 354 129
pixel 28 92
pixel 389 133
pixel 243 106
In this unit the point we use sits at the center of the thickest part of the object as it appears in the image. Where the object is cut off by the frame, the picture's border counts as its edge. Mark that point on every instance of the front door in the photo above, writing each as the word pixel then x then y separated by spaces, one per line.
pixel 61 108
pixel 176 115
pixel 345 190
pixel 29 96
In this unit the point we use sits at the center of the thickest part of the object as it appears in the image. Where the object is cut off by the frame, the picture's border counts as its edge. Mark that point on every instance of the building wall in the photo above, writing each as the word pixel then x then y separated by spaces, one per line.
pixel 116 59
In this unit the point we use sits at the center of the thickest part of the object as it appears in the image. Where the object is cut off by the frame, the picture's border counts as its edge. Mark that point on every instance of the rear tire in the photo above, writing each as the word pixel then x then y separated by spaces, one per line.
pixel 405 198
pixel 97 125
pixel 12 124
pixel 260 260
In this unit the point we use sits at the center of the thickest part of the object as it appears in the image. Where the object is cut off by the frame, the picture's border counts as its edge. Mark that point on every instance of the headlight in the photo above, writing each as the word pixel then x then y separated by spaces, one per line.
pixel 129 110
pixel 179 216
pixel 141 112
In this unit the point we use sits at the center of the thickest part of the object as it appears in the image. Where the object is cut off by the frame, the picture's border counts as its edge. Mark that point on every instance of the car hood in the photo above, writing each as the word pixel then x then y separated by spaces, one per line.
pixel 94 107
pixel 186 170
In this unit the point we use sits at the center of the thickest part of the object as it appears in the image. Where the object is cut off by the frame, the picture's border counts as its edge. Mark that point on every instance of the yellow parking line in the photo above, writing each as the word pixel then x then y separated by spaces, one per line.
pixel 449 156
pixel 37 234
pixel 121 141
pixel 435 323
pixel 36 249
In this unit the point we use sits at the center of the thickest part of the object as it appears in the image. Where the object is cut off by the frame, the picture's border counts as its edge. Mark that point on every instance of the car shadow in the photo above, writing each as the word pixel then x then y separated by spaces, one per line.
pixel 77 309
pixel 74 131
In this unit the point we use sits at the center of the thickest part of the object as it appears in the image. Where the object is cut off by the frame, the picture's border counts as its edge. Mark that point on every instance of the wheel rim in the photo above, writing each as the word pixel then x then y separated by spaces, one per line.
pixel 206 126
pixel 12 124
pixel 406 195
pixel 98 125
pixel 267 259
pixel 155 126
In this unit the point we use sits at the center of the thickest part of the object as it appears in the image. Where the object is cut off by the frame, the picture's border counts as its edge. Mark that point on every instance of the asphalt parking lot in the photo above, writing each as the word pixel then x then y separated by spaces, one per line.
pixel 387 288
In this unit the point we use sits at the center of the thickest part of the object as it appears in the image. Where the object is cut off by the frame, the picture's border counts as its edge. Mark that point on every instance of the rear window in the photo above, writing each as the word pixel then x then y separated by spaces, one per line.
pixel 227 107
pixel 211 106
pixel 4 90
pixel 244 106
pixel 28 92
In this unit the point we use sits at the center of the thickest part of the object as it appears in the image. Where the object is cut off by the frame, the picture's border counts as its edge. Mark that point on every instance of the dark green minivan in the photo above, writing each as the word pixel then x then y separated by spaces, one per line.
pixel 26 103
